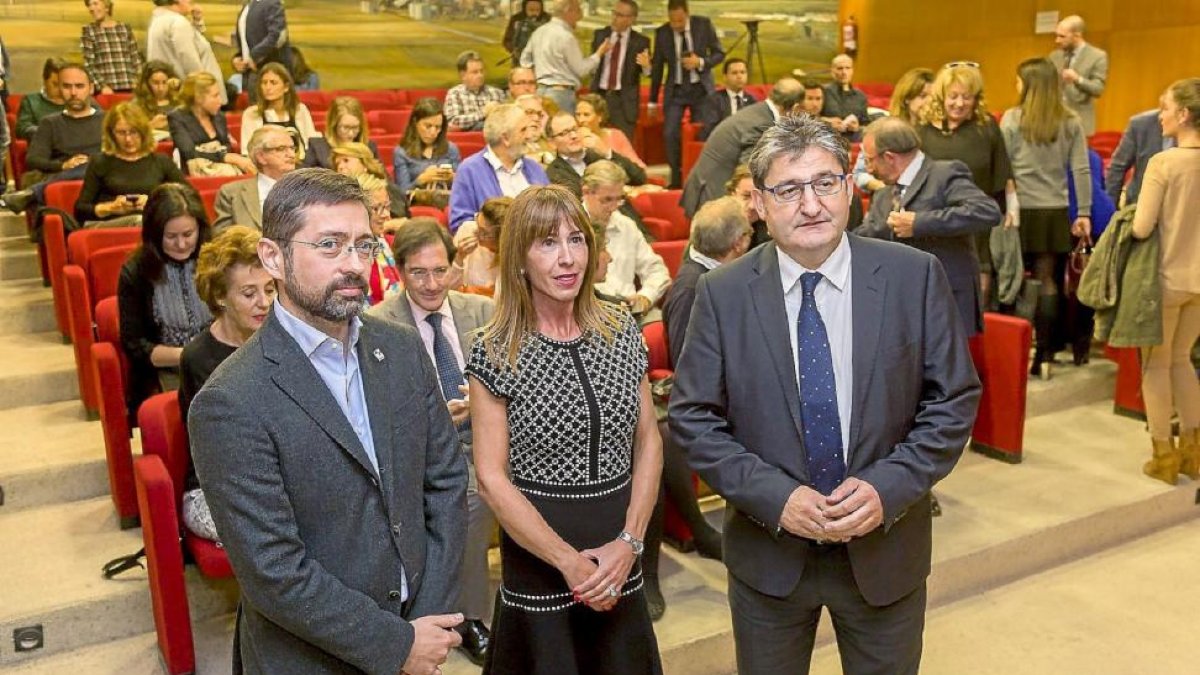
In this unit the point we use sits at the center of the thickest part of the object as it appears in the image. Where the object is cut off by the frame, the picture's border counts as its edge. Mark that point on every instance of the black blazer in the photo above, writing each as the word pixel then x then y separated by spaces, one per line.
pixel 729 145
pixel 266 33
pixel 718 109
pixel 561 173
pixel 320 154
pixel 736 408
pixel 677 307
pixel 950 212
pixel 186 134
pixel 705 43
pixel 631 72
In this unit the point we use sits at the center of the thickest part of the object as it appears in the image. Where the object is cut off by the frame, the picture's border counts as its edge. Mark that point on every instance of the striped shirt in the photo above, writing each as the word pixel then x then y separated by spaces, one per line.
pixel 111 55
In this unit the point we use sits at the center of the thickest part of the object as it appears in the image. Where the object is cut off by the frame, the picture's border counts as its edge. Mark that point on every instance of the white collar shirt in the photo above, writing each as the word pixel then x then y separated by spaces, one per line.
pixel 633 261
pixel 512 181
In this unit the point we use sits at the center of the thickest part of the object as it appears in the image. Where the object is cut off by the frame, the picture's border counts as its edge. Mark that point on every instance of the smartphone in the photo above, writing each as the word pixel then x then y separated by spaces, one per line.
pixel 133 199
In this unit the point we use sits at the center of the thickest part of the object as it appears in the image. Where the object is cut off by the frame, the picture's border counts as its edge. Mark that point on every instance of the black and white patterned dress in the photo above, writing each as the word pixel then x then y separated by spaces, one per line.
pixel 572 412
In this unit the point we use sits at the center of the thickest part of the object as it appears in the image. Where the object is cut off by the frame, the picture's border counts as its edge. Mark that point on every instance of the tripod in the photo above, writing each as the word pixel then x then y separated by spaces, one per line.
pixel 753 48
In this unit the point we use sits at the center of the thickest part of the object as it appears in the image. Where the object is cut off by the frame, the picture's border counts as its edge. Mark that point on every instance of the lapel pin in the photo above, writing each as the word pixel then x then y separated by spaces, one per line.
pixel 378 355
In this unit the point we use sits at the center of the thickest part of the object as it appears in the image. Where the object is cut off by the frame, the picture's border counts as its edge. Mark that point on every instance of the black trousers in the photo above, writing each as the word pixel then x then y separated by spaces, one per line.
pixel 680 97
pixel 776 635
pixel 622 110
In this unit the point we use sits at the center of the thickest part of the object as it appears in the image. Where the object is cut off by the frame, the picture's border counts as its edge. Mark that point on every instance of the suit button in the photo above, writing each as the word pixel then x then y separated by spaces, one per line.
pixel 393 595
pixel 396 529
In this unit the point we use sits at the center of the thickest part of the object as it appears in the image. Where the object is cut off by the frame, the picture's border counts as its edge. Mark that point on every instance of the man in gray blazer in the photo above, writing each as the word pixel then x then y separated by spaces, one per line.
pixel 929 204
pixel 329 461
pixel 1142 140
pixel 731 142
pixel 424 254
pixel 273 151
pixel 1084 70
pixel 825 385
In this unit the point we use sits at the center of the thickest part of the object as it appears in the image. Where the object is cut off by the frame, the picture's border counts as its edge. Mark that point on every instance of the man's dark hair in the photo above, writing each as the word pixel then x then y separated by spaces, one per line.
pixel 465 59
pixel 51 67
pixel 418 233
pixel 731 62
pixel 74 65
pixel 812 84
pixel 284 210
pixel 673 5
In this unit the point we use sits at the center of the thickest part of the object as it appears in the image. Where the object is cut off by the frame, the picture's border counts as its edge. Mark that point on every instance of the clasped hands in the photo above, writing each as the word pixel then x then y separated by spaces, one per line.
pixel 852 510
pixel 901 223
pixel 592 572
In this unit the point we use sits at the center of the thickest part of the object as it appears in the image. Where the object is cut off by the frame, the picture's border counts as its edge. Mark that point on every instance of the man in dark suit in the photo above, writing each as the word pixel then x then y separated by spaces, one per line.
pixel 424 253
pixel 1142 140
pixel 571 156
pixel 619 77
pixel 731 142
pixel 686 49
pixel 330 463
pixel 260 36
pixel 825 385
pixel 727 101
pixel 240 202
pixel 929 204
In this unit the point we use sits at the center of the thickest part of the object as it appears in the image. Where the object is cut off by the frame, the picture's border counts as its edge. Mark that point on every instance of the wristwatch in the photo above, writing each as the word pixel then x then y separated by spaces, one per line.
pixel 634 543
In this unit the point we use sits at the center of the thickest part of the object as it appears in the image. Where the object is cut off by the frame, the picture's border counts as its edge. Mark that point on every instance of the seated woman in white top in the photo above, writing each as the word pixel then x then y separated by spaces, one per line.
pixel 277 104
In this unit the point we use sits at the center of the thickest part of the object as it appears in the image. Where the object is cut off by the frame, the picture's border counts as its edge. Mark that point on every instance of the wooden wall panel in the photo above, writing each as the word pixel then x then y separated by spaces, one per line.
pixel 1149 47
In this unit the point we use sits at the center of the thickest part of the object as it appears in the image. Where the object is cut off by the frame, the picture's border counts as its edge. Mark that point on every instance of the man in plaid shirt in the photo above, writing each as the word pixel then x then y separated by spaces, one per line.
pixel 469 103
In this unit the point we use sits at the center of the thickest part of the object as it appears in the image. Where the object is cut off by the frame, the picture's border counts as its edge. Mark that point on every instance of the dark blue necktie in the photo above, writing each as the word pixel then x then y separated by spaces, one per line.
pixel 449 374
pixel 818 393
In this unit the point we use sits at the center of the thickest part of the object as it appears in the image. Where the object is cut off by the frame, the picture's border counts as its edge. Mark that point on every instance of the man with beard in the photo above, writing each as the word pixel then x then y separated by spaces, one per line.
pixel 330 462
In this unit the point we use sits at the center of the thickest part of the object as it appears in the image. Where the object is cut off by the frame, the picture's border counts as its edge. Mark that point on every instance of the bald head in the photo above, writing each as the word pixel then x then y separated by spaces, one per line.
pixel 787 94
pixel 842 68
pixel 1069 33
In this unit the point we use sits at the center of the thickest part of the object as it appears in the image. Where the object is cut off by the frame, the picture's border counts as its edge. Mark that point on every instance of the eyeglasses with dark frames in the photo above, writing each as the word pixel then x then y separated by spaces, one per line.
pixel 826 185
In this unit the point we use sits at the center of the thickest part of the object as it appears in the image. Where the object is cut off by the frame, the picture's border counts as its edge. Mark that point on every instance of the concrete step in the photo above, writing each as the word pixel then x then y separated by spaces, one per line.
pixel 26 306
pixel 51 561
pixel 51 454
pixel 36 368
pixel 18 258
pixel 12 225
pixel 1070 386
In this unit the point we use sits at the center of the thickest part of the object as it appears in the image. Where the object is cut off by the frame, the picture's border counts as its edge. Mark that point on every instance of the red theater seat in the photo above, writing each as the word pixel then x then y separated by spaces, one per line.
pixel 111 373
pixel 411 96
pixel 663 215
pixel 430 212
pixel 671 253
pixel 202 183
pixel 159 475
pixel 1001 356
pixel 690 147
pixel 87 283
pixel 388 121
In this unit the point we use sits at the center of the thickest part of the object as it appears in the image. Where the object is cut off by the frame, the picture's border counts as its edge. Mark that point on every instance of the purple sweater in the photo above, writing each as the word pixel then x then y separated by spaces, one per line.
pixel 476 182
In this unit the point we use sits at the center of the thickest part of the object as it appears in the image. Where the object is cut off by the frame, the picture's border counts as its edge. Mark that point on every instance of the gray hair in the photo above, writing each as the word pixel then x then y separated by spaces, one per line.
pixel 284 211
pixel 790 137
pixel 893 134
pixel 259 138
pixel 502 120
pixel 559 7
pixel 603 173
pixel 717 227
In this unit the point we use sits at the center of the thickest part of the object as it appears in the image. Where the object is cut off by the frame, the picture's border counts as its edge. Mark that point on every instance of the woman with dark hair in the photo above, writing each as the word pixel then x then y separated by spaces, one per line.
pixel 591 114
pixel 119 180
pixel 424 161
pixel 156 292
pixel 231 281
pixel 110 51
pixel 345 123
pixel 277 103
pixel 567 451
pixel 521 26
pixel 956 124
pixel 155 94
pixel 199 132
pixel 305 77
pixel 1044 140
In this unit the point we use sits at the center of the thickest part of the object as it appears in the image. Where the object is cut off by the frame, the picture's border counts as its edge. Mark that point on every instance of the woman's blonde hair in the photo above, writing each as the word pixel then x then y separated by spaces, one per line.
pixel 1042 109
pixel 235 245
pixel 909 86
pixel 1186 93
pixel 362 152
pixel 194 86
pixel 340 107
pixel 536 213
pixel 129 113
pixel 967 77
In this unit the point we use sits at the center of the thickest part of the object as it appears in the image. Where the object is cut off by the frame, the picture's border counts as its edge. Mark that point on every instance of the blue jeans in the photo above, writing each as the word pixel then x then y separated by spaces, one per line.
pixel 563 98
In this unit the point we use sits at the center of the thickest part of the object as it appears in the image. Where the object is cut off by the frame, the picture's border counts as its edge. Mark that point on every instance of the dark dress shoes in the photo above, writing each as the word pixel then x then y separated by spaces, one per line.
pixel 17 201
pixel 475 640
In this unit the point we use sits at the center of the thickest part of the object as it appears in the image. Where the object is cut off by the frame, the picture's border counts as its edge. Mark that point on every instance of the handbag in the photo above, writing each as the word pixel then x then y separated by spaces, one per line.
pixel 1077 262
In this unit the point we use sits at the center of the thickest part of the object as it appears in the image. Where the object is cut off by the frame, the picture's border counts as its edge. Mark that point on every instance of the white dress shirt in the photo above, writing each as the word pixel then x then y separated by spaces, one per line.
pixel 682 40
pixel 615 59
pixel 909 173
pixel 265 183
pixel 632 259
pixel 479 266
pixel 834 297
pixel 512 181
pixel 241 29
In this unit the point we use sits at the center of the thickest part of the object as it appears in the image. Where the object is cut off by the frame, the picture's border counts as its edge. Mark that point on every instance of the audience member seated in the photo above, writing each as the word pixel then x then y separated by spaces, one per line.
pixel 571 157
pixel 814 98
pixel 156 293
pixel 500 170
pixel 305 77
pixel 232 283
pixel 63 143
pixel 36 106
pixel 345 123
pixel 110 51
pixel 908 100
pixel 845 106
pixel 424 161
pixel 741 187
pixel 478 244
pixel 469 103
pixel 353 159
pixel 273 151
pixel 591 112
pixel 119 179
pixel 727 101
pixel 277 103
pixel 156 96
pixel 384 278
pixel 521 81
pixel 199 132
pixel 637 274
pixel 537 146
